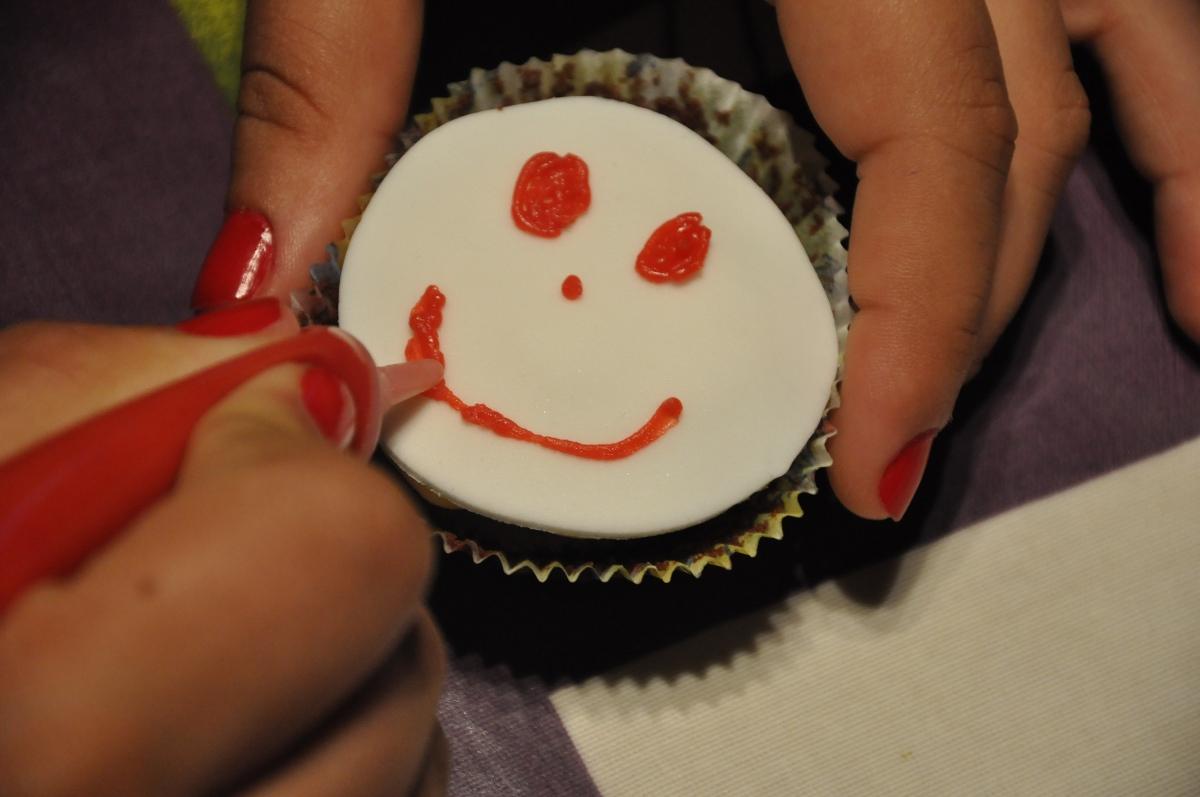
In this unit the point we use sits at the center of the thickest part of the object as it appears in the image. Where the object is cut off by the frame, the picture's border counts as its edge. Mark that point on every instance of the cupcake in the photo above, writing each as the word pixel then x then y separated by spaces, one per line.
pixel 639 351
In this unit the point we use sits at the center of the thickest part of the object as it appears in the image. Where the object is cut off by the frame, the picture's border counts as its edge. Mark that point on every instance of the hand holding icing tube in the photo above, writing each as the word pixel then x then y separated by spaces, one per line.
pixel 187 555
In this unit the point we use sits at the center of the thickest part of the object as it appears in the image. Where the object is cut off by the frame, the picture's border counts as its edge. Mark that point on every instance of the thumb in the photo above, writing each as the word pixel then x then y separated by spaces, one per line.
pixel 286 412
pixel 96 476
pixel 289 412
pixel 302 406
pixel 323 90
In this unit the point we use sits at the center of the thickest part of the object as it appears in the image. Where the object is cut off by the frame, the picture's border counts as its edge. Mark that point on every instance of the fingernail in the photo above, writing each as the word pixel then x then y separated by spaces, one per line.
pixel 239 319
pixel 402 381
pixel 329 404
pixel 241 257
pixel 902 477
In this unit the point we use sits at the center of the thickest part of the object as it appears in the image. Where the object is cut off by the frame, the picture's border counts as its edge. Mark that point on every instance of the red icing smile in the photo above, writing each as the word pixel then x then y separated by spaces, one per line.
pixel 426 319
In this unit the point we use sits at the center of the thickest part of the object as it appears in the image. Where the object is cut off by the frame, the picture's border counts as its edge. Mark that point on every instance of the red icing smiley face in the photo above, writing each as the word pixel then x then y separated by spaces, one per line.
pixel 552 191
pixel 626 367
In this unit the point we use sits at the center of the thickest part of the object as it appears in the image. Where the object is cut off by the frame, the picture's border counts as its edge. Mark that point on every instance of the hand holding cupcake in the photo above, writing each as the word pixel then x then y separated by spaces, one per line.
pixel 949 221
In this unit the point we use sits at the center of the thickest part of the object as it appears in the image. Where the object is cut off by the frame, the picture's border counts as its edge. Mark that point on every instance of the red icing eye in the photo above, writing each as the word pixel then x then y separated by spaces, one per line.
pixel 675 252
pixel 551 192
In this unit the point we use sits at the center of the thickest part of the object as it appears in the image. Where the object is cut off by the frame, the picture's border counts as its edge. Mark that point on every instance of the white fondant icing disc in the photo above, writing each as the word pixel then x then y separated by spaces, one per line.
pixel 748 346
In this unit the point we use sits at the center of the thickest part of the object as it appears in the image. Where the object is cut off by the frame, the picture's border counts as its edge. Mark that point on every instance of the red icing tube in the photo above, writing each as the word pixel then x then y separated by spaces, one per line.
pixel 426 319
pixel 71 494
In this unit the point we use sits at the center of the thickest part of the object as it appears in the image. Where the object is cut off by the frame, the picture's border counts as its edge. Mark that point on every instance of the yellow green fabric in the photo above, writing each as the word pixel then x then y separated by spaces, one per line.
pixel 216 27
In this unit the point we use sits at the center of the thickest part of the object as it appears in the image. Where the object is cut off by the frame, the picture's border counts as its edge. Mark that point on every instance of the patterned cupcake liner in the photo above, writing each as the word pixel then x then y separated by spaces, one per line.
pixel 768 146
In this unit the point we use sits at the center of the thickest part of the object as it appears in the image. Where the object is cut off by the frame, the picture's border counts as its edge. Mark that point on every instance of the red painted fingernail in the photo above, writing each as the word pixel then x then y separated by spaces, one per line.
pixel 328 402
pixel 241 257
pixel 239 319
pixel 902 477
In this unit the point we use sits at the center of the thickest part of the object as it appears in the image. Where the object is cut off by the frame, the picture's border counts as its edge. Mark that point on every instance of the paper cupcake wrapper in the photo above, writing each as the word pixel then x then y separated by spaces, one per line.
pixel 768 146
pixel 737 531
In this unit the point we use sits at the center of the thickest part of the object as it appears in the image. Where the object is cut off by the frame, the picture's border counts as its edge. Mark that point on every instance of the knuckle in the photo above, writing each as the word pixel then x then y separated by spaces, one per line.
pixel 984 106
pixel 269 96
pixel 977 117
pixel 1071 105
pixel 253 430
pixel 260 421
pixel 987 133
pixel 1062 119
pixel 980 89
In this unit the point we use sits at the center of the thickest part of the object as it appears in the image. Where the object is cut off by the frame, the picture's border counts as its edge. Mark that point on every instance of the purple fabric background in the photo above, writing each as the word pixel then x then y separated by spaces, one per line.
pixel 1091 377
pixel 115 154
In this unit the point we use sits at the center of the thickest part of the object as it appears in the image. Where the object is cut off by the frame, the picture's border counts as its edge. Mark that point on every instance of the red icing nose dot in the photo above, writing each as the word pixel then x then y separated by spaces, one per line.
pixel 675 252
pixel 572 287
pixel 551 193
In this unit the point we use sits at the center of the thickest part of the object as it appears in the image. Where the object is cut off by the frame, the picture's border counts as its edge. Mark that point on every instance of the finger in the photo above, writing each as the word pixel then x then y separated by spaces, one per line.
pixel 1151 54
pixel 229 618
pixel 924 112
pixel 324 89
pixel 434 780
pixel 381 743
pixel 54 375
pixel 1053 119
